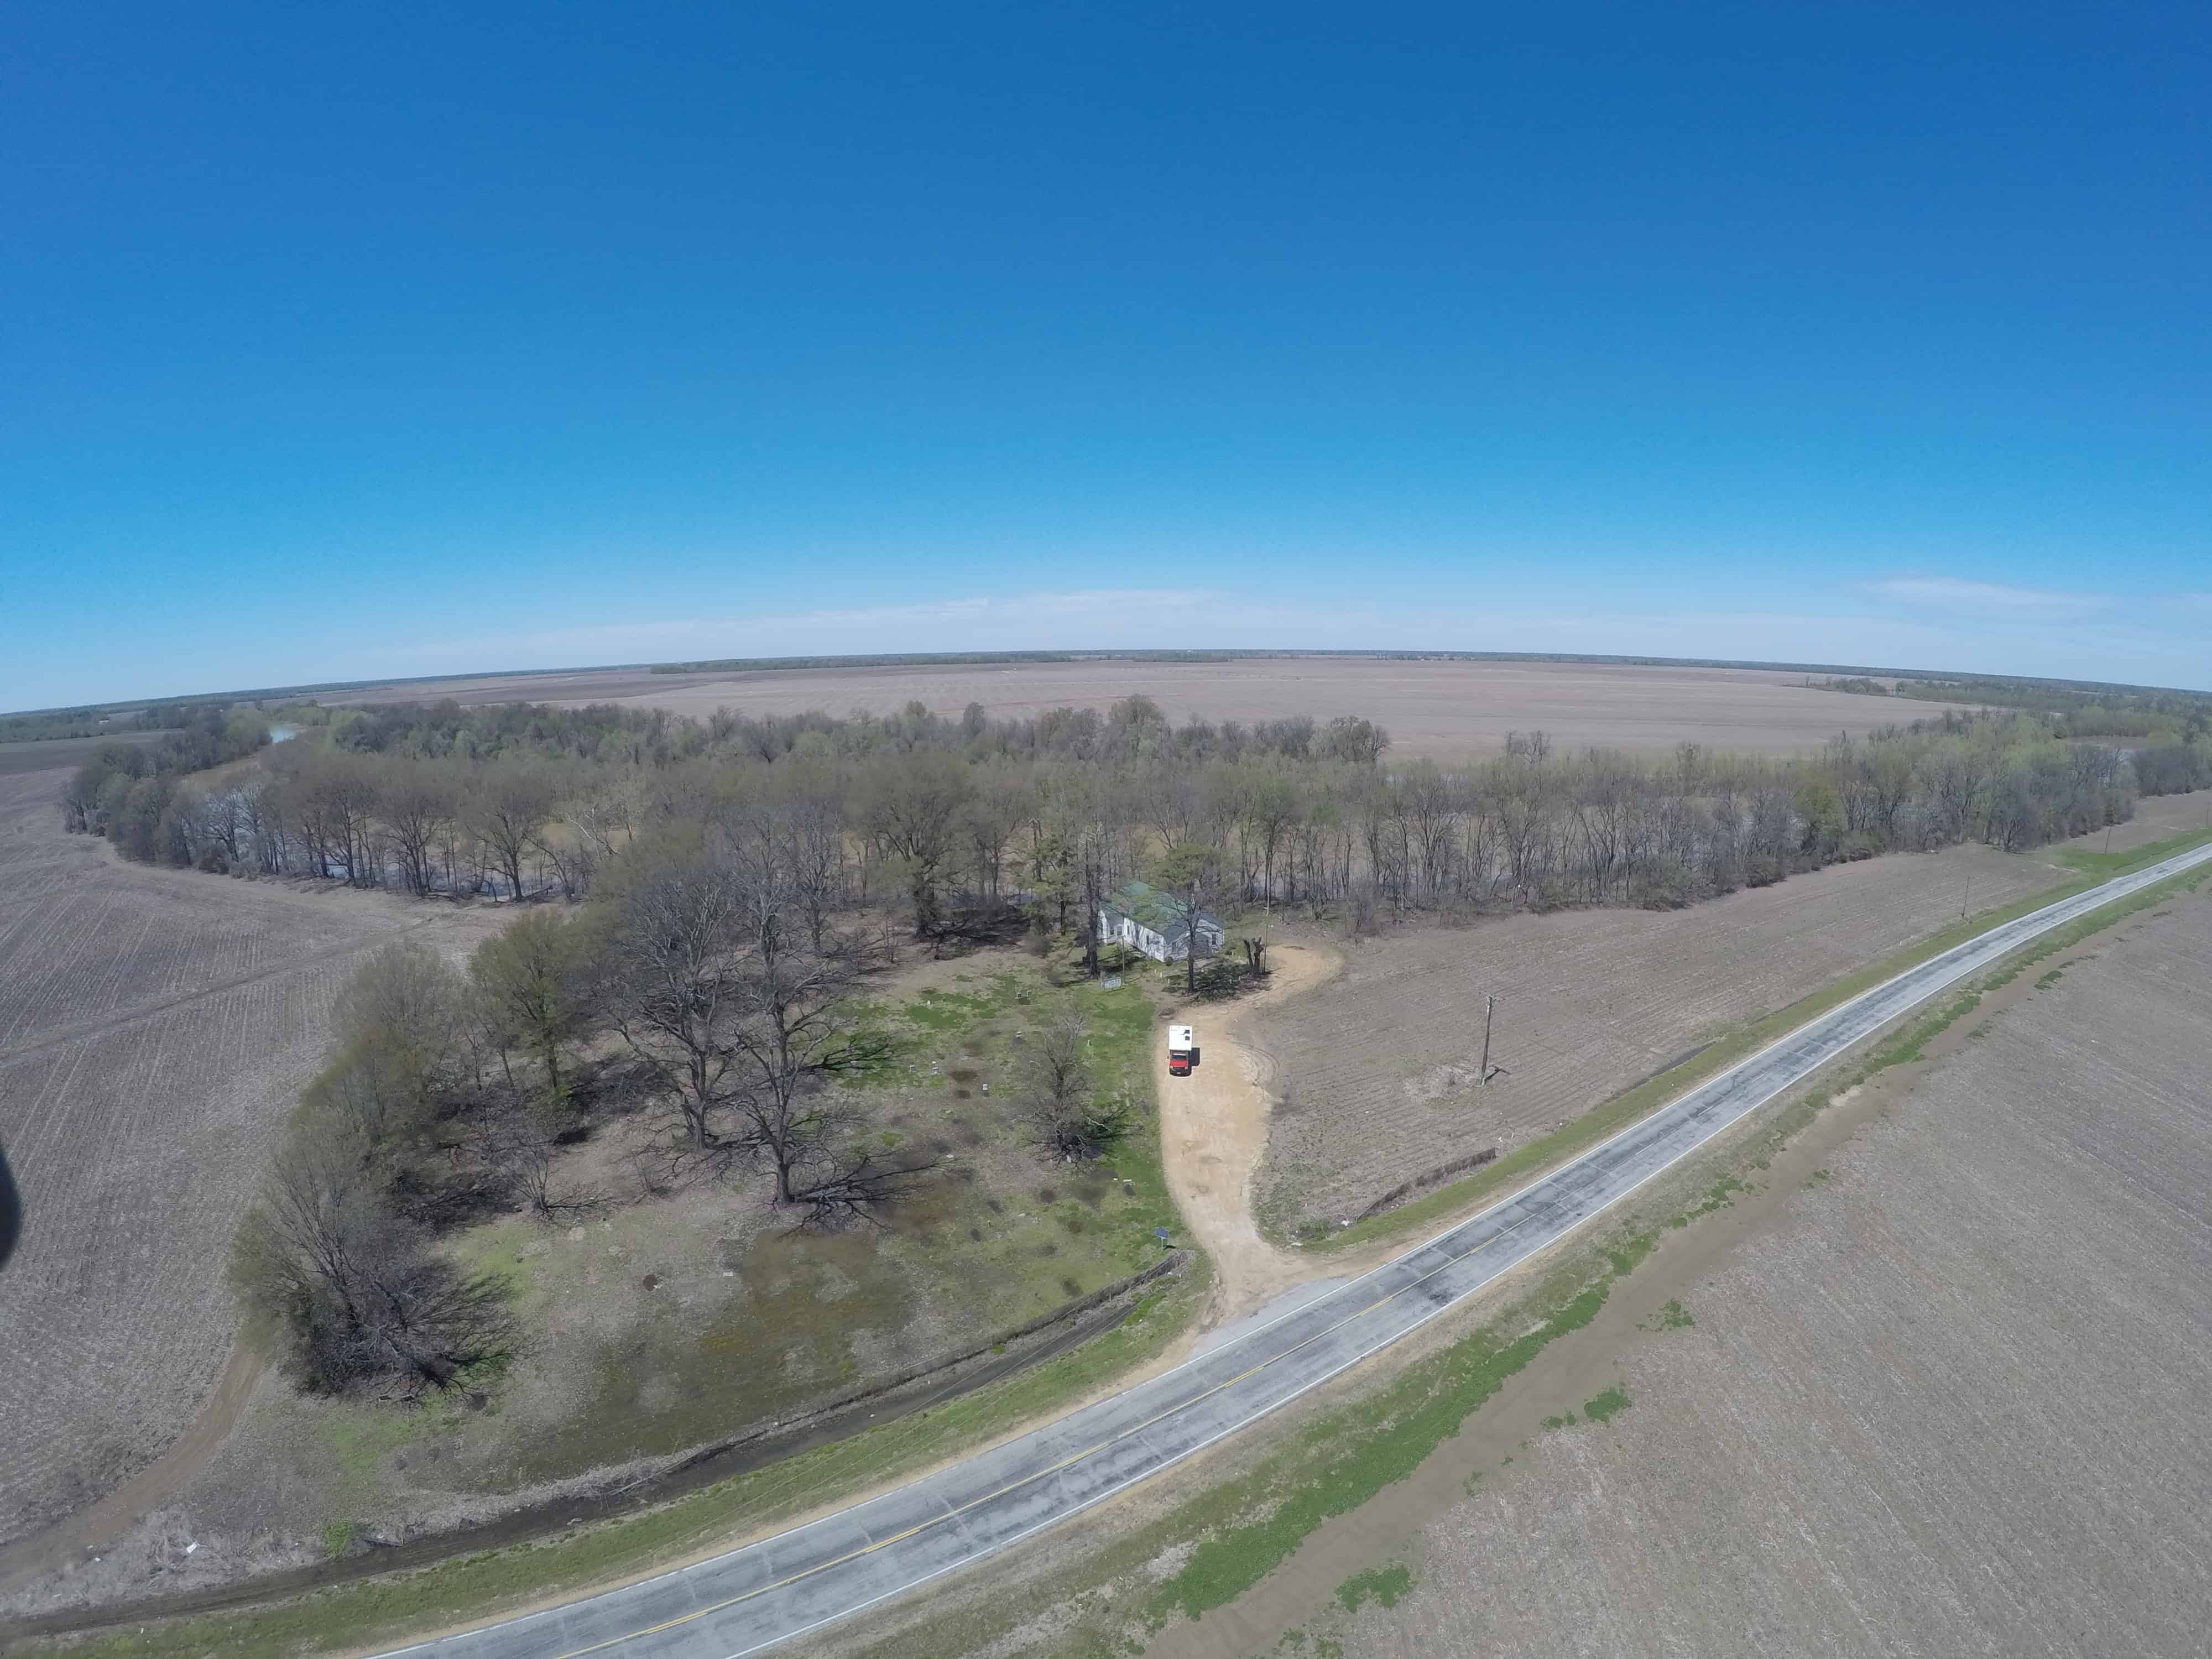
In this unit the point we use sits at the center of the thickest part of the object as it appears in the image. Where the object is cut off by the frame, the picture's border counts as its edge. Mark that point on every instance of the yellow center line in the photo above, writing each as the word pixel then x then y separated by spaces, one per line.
pixel 1027 1479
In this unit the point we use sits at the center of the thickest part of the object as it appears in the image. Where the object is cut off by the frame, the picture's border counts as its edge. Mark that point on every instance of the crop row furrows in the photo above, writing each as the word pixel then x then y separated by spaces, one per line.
pixel 139 1150
pixel 87 957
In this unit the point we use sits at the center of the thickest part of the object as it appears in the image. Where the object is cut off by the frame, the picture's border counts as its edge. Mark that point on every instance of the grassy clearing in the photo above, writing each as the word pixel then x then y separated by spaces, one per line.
pixel 672 1323
pixel 1517 1168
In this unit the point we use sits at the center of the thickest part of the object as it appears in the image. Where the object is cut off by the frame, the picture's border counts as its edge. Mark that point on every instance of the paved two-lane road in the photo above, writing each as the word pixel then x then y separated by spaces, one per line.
pixel 766 1592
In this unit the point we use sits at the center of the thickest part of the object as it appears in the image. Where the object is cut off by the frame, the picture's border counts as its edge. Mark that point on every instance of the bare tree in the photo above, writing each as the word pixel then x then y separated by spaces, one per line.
pixel 511 802
pixel 358 1296
pixel 911 805
pixel 796 1037
pixel 1060 1094
pixel 414 802
pixel 811 809
pixel 516 1144
pixel 667 979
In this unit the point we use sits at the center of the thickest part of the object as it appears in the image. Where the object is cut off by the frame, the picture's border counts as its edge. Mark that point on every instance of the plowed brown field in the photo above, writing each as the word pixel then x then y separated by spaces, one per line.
pixel 155 1028
pixel 1376 1073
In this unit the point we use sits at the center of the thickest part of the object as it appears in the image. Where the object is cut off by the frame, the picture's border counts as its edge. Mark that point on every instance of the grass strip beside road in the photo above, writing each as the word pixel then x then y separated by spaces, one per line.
pixel 2105 865
pixel 1525 1162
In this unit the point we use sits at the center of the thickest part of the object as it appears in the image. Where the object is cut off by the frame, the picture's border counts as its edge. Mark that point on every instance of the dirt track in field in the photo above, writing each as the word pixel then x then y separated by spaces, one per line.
pixel 1213 1132
pixel 1936 1385
pixel 1450 710
pixel 155 1028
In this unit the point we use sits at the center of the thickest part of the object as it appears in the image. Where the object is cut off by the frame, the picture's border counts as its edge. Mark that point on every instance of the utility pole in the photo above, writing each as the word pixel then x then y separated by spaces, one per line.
pixel 1966 898
pixel 1489 1013
pixel 2108 838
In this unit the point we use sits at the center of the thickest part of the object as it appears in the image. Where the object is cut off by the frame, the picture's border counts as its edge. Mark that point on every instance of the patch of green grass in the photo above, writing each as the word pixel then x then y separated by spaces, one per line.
pixel 1907 1049
pixel 1673 1316
pixel 1629 1254
pixel 1606 1406
pixel 360 1436
pixel 1566 1421
pixel 1383 1585
pixel 336 1536
pixel 948 1011
pixel 2047 981
pixel 1719 1195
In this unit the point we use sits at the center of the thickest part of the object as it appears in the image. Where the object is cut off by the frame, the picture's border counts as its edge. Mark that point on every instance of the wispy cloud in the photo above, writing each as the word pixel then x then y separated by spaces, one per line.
pixel 1952 592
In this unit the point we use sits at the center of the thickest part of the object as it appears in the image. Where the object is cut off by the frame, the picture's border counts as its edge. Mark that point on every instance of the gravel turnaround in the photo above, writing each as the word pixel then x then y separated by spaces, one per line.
pixel 755 1597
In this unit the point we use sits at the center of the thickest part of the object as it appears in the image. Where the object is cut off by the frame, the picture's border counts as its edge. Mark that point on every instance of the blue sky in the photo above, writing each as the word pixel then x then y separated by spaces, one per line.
pixel 342 342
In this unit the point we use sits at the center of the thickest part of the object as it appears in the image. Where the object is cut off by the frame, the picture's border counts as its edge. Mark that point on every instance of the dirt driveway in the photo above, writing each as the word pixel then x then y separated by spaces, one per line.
pixel 1213 1131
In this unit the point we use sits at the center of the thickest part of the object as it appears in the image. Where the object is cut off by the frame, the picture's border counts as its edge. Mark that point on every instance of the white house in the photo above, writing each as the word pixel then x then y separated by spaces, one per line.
pixel 1145 918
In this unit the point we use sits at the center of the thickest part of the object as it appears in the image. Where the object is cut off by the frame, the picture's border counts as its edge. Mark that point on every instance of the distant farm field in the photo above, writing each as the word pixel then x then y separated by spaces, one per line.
pixel 53 753
pixel 1449 710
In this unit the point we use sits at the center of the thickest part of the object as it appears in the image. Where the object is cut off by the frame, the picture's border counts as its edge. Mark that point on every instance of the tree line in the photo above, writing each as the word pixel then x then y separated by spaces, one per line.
pixel 138 795
pixel 2078 709
pixel 955 818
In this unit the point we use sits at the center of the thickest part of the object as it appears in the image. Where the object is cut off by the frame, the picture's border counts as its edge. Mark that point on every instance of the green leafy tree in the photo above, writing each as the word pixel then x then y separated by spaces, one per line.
pixel 527 980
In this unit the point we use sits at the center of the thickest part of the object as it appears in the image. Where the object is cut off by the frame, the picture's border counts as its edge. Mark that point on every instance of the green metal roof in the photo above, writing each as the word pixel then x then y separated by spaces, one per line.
pixel 1156 910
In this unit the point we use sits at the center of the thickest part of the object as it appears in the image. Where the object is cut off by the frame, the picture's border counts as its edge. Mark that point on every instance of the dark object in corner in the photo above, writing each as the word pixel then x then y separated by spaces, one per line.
pixel 12 1211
